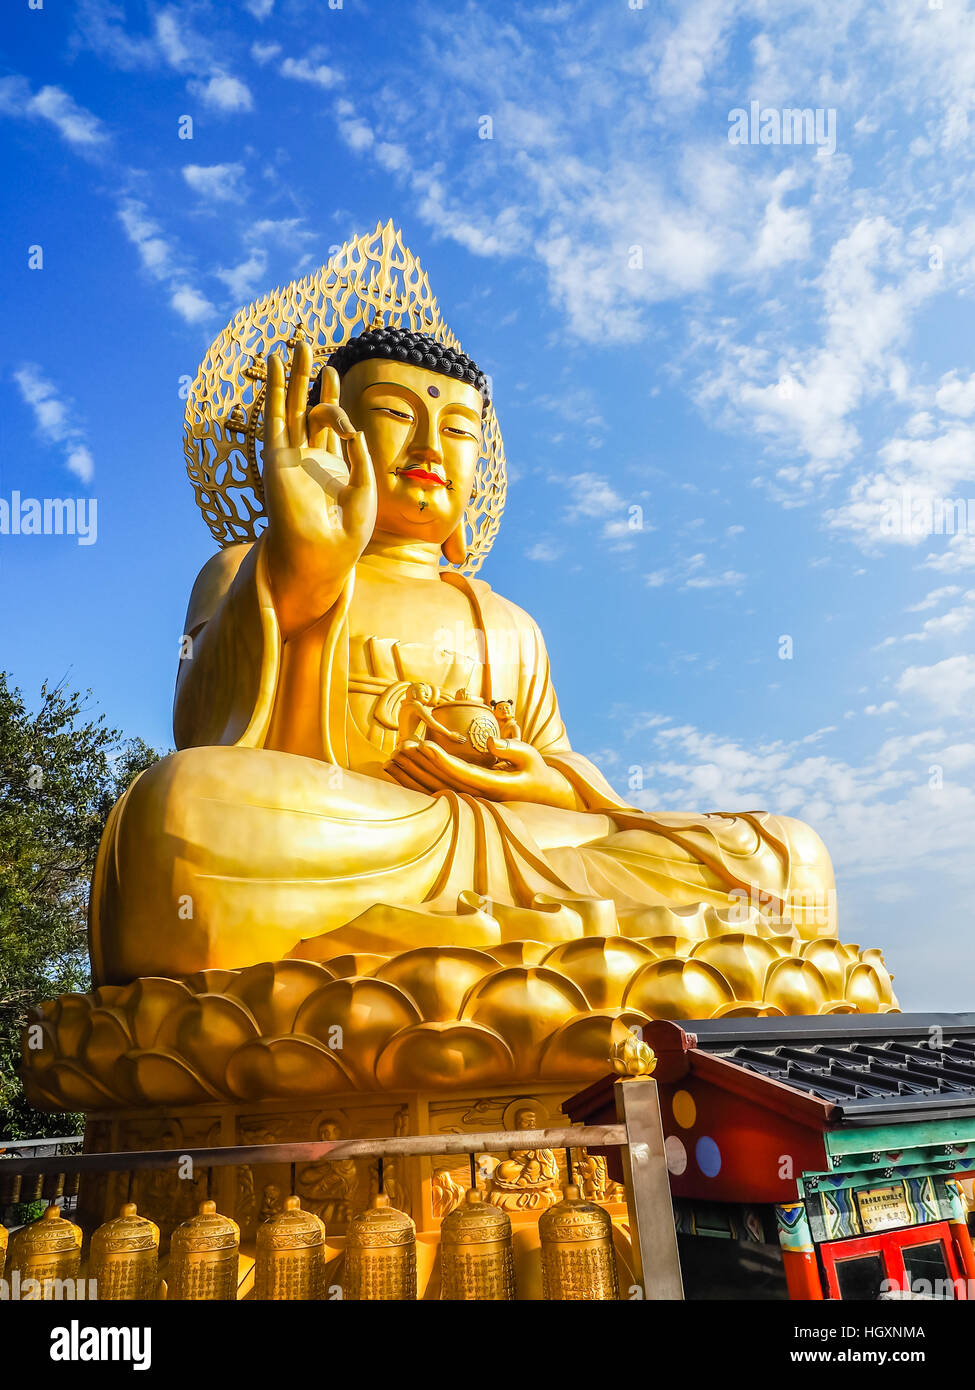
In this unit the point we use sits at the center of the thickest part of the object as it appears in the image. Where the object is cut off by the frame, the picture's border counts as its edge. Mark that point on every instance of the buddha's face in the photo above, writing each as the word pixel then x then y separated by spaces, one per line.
pixel 525 1119
pixel 424 436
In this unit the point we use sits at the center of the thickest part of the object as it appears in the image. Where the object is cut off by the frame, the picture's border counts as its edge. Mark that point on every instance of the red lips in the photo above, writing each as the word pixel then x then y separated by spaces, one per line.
pixel 422 475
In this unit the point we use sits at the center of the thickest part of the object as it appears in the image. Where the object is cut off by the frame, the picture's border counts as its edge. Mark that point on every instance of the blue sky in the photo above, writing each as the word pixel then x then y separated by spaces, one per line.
pixel 764 347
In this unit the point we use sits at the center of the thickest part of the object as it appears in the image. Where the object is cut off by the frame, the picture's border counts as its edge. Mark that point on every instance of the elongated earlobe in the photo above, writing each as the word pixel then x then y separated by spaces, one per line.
pixel 454 548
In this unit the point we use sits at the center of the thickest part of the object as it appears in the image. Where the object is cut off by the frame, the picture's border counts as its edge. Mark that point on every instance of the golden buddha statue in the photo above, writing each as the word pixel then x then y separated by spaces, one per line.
pixel 328 1187
pixel 529 1178
pixel 375 826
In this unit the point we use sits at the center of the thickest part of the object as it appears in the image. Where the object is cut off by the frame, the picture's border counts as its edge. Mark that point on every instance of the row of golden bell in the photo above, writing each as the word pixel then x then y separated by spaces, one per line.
pixel 15 1188
pixel 476 1256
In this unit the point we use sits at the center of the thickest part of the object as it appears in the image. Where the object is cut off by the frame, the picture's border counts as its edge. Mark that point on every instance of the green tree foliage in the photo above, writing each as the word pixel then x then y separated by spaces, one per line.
pixel 61 771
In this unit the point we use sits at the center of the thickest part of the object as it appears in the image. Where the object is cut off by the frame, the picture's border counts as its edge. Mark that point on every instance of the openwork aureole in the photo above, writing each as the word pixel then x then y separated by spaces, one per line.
pixel 372 278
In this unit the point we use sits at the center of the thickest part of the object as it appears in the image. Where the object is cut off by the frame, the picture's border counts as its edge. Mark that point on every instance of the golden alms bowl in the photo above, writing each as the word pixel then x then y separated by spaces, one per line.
pixel 463 726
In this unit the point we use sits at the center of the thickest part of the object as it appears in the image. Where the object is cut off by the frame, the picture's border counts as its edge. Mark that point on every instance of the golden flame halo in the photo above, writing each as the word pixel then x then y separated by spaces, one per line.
pixel 371 280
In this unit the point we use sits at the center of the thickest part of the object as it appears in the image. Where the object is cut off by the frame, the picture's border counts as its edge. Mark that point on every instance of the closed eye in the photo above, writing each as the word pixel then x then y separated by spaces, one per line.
pixel 457 433
pixel 396 414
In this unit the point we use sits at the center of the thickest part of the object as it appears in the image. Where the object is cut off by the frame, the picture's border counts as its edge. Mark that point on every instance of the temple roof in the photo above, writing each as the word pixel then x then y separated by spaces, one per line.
pixel 873 1068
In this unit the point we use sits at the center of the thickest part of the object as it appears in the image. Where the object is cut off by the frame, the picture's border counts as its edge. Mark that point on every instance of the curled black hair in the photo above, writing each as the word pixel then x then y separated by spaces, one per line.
pixel 403 345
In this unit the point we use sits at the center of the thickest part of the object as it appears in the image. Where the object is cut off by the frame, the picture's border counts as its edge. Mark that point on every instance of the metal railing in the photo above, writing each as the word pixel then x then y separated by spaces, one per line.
pixel 639 1136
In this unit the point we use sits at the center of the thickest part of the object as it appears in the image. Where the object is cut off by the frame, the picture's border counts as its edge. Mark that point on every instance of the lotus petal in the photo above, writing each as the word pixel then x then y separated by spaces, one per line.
pixel 275 990
pixel 444 1054
pixel 797 987
pixel 356 1019
pixel 525 1005
pixel 601 966
pixel 678 989
pixel 874 957
pixel 109 1039
pixel 276 1068
pixel 38 1053
pixel 864 989
pixel 72 1088
pixel 212 981
pixel 70 1016
pixel 742 959
pixel 437 980
pixel 209 1030
pixel 147 1003
pixel 833 959
pixel 579 1050
pixel 158 1078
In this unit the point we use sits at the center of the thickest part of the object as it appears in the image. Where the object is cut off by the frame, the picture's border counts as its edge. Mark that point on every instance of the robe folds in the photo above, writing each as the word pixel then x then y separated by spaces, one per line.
pixel 273 830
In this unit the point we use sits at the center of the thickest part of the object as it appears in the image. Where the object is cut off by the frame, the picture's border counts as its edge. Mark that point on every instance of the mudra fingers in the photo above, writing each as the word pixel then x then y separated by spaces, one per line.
pixel 327 421
pixel 358 500
pixel 297 398
pixel 275 424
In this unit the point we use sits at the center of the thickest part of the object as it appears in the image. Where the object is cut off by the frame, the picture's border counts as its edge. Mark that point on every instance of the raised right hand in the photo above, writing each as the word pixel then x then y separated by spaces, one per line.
pixel 319 489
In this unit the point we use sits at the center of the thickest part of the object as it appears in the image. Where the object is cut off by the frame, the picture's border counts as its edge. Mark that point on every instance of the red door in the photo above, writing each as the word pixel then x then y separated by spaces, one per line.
pixel 918 1259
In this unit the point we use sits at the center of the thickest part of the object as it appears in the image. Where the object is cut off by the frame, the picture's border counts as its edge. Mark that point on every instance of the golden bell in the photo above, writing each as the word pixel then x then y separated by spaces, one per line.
pixel 290 1261
pixel 380 1254
pixel 577 1250
pixel 3 1248
pixel 72 1182
pixel 124 1257
pixel 10 1185
pixel 52 1187
pixel 203 1257
pixel 476 1261
pixel 47 1250
pixel 31 1187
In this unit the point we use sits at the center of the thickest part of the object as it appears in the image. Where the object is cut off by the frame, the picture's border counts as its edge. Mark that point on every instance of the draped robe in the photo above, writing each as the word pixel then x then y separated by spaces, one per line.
pixel 273 830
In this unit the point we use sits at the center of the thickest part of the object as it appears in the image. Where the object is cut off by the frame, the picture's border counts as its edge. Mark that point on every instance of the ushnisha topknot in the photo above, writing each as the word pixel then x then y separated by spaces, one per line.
pixel 403 345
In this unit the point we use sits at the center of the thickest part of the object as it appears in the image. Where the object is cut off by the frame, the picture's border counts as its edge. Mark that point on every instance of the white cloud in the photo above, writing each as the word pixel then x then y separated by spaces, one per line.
pixel 244 280
pixel 75 124
pixel 160 260
pixel 948 686
pixel 260 9
pixel 591 496
pixel 935 597
pixel 169 36
pixel 302 70
pixel 544 551
pixel 191 305
pixel 154 250
pixel 956 396
pixel 689 53
pixel 56 419
pixel 692 572
pixel 264 52
pixel 881 817
pixel 223 92
pixel 723 579
pixel 215 182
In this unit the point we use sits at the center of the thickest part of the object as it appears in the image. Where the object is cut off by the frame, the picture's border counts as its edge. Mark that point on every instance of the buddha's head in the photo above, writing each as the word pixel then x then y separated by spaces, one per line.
pixel 420 405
